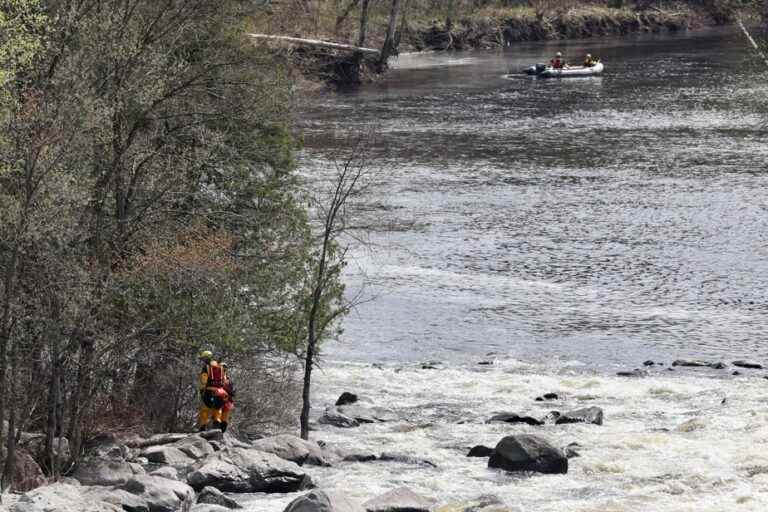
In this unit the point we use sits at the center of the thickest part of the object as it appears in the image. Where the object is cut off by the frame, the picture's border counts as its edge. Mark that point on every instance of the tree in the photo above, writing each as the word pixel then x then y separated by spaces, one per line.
pixel 389 47
pixel 150 207
pixel 326 303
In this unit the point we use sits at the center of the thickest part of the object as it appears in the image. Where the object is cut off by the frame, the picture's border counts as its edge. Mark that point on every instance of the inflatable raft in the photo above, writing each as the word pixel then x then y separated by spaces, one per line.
pixel 572 71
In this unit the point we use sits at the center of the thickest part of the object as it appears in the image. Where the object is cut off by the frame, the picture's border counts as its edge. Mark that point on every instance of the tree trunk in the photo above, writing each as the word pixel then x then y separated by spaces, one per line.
pixel 80 395
pixel 390 43
pixel 341 18
pixel 363 23
pixel 449 16
pixel 10 446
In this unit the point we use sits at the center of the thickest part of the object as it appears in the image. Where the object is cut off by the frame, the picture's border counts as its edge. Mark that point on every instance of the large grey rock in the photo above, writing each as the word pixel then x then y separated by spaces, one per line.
pixel 27 474
pixel 96 471
pixel 332 416
pixel 593 415
pixel 205 507
pixel 528 453
pixel 35 445
pixel 162 494
pixel 401 499
pixel 213 496
pixel 118 497
pixel 248 470
pixel 166 472
pixel 61 498
pixel 195 447
pixel 169 455
pixel 324 501
pixel 346 398
pixel 107 445
pixel 292 448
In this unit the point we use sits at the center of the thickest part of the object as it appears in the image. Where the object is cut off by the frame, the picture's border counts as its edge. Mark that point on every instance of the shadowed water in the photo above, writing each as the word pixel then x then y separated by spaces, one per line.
pixel 607 219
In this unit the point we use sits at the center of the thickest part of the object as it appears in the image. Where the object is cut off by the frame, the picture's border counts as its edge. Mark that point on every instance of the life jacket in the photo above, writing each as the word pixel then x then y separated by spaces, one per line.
pixel 216 375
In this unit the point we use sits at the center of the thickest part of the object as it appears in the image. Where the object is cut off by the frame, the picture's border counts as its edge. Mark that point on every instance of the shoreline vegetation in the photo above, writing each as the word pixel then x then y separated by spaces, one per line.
pixel 457 25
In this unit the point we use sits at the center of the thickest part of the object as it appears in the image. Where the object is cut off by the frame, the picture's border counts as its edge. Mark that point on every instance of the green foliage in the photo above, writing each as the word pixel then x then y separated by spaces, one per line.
pixel 148 191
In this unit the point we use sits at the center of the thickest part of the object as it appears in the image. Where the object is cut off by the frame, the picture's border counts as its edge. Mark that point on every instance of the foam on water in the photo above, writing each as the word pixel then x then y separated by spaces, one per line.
pixel 667 443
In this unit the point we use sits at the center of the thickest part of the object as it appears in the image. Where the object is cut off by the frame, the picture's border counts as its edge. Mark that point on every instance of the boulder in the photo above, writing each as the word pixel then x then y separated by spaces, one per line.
pixel 35 445
pixel 195 447
pixel 169 455
pixel 593 415
pixel 107 445
pixel 747 364
pixel 166 472
pixel 528 453
pixel 547 396
pixel 161 494
pixel 346 398
pixel 649 363
pixel 323 501
pixel 333 416
pixel 401 499
pixel 27 474
pixel 204 507
pixel 364 414
pixel 248 470
pixel 118 497
pixel 97 471
pixel 292 448
pixel 61 498
pixel 480 451
pixel 213 496
pixel 511 417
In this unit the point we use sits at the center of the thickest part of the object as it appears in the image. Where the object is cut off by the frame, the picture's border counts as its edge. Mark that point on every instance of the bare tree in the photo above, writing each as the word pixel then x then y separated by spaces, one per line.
pixel 389 48
pixel 327 303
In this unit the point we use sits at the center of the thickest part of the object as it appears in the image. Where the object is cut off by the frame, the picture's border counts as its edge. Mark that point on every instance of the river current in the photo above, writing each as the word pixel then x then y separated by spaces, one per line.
pixel 558 231
pixel 608 219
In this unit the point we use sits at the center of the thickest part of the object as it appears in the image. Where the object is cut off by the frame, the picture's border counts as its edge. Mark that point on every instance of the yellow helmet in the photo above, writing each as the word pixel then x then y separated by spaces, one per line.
pixel 206 355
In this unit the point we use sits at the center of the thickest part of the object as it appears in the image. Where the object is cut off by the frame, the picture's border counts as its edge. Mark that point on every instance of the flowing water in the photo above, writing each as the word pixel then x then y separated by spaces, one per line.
pixel 561 229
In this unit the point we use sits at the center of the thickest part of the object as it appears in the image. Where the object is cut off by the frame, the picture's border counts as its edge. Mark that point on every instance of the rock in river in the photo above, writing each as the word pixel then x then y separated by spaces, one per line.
pixel 401 499
pixel 528 453
pixel 248 470
pixel 480 451
pixel 323 501
pixel 511 417
pixel 592 415
pixel 292 448
pixel 346 398
pixel 747 364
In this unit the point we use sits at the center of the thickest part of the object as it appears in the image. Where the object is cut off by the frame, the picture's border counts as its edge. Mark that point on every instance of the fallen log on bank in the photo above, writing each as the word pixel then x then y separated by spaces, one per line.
pixel 315 42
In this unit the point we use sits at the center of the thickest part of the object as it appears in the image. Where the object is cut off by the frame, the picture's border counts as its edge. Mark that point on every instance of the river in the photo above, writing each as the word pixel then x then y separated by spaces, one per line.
pixel 561 230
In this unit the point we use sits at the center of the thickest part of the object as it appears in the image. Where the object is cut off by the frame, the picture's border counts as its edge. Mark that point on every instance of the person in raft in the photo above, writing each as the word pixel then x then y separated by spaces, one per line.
pixel 589 61
pixel 557 62
pixel 211 387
